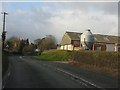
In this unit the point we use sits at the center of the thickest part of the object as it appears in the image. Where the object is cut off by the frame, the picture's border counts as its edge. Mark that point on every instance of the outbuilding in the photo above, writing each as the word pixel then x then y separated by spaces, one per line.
pixel 72 41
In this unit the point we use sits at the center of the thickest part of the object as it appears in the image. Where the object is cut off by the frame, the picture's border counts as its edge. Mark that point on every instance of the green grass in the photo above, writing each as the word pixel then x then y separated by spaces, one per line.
pixel 54 55
pixel 106 62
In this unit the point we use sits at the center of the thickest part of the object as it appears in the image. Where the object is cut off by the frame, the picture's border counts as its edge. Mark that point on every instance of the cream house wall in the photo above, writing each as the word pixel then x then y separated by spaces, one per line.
pixel 65 40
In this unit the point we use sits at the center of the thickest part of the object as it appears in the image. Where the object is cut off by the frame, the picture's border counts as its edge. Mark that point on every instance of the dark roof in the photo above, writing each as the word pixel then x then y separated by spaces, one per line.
pixel 98 37
pixel 74 35
pixel 107 38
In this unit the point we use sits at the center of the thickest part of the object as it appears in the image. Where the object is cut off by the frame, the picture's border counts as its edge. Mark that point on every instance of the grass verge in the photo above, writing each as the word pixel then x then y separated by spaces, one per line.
pixel 54 55
pixel 106 62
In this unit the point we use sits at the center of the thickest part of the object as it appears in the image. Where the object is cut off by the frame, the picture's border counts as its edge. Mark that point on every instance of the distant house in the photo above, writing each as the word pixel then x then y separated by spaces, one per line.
pixel 72 41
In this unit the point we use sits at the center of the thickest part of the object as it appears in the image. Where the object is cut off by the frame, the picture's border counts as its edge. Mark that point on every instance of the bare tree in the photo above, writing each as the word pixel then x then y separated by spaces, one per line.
pixel 50 42
pixel 13 43
pixel 46 43
pixel 29 49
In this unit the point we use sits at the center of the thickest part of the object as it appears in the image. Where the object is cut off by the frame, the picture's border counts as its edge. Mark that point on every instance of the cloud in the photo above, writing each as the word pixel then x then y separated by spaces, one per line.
pixel 21 12
pixel 55 18
pixel 79 21
pixel 28 25
pixel 107 7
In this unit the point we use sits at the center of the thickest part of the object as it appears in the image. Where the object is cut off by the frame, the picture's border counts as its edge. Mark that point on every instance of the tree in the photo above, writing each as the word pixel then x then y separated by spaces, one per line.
pixel 13 43
pixel 50 42
pixel 21 46
pixel 23 43
pixel 29 49
pixel 46 43
pixel 27 41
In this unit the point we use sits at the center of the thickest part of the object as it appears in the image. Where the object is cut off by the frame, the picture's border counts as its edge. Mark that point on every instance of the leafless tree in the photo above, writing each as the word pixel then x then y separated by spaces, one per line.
pixel 46 43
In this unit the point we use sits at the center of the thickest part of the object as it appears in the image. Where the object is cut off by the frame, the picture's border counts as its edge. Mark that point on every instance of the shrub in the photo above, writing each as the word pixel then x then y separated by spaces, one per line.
pixel 95 60
pixel 104 61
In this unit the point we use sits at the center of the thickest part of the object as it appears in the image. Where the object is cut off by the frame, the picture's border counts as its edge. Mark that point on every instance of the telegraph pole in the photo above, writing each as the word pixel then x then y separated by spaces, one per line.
pixel 4 32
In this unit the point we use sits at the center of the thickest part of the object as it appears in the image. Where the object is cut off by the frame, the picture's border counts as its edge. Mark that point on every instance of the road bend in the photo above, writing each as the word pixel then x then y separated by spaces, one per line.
pixel 27 72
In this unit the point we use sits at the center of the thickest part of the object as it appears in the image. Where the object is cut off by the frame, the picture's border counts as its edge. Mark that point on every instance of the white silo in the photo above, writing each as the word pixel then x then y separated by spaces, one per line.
pixel 87 40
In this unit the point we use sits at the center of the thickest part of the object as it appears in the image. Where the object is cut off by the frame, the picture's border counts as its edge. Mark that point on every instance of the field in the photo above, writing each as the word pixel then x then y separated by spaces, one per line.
pixel 106 62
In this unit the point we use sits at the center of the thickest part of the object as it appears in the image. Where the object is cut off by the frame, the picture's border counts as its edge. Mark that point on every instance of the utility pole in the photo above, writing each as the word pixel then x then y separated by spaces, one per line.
pixel 4 32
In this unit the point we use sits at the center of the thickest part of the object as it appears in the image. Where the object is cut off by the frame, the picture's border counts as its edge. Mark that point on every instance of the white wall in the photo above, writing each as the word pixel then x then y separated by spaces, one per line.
pixel 65 47
pixel 116 48
pixel 70 47
pixel 110 47
pixel 61 47
pixel 77 48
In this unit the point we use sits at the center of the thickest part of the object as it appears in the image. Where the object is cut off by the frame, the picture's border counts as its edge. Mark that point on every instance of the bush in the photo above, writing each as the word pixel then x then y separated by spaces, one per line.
pixel 95 60
pixel 104 61
pixel 29 50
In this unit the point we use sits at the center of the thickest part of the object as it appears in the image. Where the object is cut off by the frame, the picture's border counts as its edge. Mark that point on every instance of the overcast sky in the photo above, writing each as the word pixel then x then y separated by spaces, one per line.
pixel 37 19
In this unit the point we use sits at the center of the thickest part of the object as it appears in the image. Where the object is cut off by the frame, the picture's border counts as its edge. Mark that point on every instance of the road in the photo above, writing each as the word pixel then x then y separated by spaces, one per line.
pixel 0 67
pixel 27 72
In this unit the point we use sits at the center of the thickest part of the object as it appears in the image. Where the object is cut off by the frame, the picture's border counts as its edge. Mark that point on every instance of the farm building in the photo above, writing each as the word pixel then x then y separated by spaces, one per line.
pixel 72 41
pixel 106 43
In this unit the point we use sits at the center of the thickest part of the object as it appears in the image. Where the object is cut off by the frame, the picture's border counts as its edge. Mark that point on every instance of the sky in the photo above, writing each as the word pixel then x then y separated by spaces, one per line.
pixel 37 19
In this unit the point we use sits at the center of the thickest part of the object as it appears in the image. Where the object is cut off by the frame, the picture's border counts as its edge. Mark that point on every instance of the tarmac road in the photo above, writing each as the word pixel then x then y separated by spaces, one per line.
pixel 0 67
pixel 27 72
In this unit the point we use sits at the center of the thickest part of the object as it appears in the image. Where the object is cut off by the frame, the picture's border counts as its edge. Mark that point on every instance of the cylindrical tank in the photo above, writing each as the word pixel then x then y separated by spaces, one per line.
pixel 87 40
